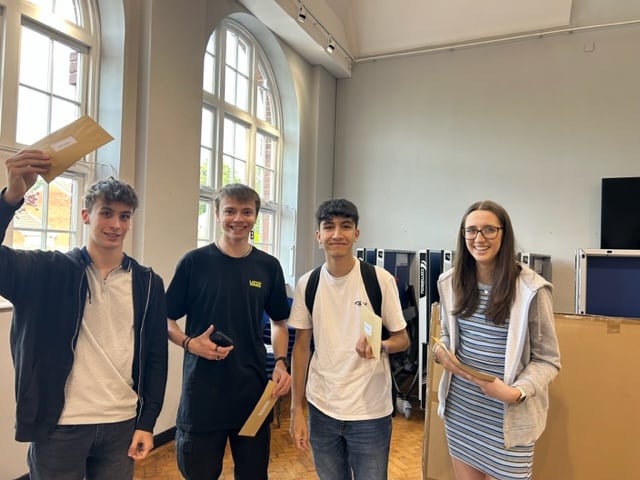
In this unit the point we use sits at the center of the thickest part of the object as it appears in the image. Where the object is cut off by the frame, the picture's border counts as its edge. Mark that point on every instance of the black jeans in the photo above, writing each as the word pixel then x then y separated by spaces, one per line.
pixel 200 455
pixel 76 452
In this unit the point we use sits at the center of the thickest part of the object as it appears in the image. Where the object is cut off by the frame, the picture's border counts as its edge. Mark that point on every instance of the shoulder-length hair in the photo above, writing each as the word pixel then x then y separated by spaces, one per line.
pixel 505 273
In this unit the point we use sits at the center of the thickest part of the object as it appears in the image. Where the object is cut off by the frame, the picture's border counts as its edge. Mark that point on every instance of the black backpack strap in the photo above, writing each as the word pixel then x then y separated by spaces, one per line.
pixel 312 288
pixel 371 285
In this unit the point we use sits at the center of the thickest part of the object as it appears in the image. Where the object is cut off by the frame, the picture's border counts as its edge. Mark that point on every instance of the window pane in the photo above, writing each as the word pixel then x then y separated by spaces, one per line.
pixel 230 86
pixel 33 114
pixel 206 137
pixel 66 70
pixel 61 241
pixel 49 93
pixel 237 71
pixel 234 148
pixel 62 113
pixel 265 169
pixel 232 45
pixel 206 163
pixel 243 57
pixel 233 170
pixel 34 59
pixel 209 76
pixel 67 9
pixel 264 100
pixel 204 223
pixel 29 219
pixel 242 92
pixel 60 210
pixel 235 139
pixel 263 231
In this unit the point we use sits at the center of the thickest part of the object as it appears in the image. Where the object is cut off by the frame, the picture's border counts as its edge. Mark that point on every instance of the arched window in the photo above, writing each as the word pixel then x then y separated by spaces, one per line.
pixel 49 64
pixel 241 131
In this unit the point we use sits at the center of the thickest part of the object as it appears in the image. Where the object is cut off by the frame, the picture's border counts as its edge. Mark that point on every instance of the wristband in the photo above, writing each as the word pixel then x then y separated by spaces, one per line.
pixel 184 342
pixel 283 360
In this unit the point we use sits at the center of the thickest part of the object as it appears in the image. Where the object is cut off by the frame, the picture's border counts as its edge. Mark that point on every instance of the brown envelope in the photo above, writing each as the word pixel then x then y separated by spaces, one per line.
pixel 260 412
pixel 70 143
pixel 371 328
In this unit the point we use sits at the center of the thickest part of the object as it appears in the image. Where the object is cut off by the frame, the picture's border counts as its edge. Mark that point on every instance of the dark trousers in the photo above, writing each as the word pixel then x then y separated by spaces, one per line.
pixel 200 455
pixel 76 452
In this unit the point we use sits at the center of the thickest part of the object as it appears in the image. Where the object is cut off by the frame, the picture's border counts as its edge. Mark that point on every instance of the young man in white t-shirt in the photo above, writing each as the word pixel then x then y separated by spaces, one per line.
pixel 348 388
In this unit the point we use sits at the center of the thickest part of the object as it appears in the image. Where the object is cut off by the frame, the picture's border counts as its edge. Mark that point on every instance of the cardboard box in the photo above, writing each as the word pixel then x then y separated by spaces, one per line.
pixel 594 421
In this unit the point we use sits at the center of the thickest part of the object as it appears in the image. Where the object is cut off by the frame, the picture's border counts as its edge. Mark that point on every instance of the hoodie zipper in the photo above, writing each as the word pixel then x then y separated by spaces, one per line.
pixel 141 337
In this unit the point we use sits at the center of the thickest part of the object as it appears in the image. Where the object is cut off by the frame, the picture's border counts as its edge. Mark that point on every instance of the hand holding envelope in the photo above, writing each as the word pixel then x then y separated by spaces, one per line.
pixel 371 328
pixel 465 368
pixel 70 143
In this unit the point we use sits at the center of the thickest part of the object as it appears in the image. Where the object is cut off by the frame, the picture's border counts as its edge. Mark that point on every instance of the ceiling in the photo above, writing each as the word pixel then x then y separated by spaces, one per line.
pixel 365 30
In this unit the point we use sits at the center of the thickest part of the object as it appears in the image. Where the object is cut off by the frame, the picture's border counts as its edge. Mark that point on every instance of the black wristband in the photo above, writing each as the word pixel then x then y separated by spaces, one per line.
pixel 282 359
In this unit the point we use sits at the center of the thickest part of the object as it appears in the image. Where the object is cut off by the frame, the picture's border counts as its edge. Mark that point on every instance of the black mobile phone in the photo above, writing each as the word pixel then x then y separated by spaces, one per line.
pixel 220 339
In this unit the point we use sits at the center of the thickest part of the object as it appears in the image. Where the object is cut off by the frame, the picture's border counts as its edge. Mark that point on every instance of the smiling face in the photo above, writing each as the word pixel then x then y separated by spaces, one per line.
pixel 108 224
pixel 483 250
pixel 336 235
pixel 236 218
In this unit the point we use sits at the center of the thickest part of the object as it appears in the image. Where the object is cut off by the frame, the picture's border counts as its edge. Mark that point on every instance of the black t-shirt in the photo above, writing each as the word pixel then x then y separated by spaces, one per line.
pixel 210 287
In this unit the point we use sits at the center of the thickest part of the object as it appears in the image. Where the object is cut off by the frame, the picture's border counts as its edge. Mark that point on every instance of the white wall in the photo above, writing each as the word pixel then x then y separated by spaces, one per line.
pixel 532 124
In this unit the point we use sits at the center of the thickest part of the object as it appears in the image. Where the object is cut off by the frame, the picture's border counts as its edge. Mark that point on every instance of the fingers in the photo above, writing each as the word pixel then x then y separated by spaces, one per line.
pixel 283 382
pixel 207 333
pixel 22 172
pixel 363 349
pixel 28 161
pixel 141 445
pixel 299 435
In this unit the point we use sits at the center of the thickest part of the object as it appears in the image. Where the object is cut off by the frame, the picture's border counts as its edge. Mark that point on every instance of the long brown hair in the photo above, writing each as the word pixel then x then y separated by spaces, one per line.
pixel 505 273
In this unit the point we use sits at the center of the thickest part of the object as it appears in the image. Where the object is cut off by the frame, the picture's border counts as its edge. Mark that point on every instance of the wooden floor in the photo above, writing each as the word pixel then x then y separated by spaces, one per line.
pixel 288 463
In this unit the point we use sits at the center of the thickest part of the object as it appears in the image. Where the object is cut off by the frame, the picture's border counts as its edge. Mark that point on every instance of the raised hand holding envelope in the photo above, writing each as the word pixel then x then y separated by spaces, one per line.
pixel 371 328
pixel 70 143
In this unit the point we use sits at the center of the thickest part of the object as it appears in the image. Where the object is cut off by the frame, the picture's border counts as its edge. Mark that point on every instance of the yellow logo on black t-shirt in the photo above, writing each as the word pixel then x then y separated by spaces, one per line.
pixel 255 283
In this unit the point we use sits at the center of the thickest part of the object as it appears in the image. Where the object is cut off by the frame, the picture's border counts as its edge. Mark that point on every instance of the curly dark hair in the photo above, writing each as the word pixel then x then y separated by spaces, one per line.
pixel 110 190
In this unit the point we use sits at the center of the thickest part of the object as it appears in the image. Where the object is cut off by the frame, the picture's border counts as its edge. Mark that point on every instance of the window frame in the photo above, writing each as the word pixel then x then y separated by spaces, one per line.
pixel 83 37
pixel 223 110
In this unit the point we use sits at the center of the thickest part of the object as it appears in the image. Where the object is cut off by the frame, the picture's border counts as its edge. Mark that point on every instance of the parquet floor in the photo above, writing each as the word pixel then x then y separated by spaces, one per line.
pixel 288 463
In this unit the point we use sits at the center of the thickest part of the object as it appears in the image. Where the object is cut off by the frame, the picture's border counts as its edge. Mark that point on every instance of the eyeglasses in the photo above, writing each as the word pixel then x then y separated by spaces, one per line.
pixel 489 232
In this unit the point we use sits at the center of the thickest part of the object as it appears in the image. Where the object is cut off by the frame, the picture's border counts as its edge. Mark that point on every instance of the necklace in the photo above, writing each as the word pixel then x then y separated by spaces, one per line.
pixel 233 256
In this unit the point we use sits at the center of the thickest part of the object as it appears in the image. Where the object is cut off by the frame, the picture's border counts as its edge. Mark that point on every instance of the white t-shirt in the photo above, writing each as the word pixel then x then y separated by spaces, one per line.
pixel 341 384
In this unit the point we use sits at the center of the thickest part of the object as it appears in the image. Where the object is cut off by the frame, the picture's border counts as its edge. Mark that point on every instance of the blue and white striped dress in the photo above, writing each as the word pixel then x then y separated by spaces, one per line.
pixel 473 421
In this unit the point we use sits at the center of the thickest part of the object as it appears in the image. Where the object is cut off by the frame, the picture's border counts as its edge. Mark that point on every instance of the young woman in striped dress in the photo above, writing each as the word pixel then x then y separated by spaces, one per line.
pixel 497 317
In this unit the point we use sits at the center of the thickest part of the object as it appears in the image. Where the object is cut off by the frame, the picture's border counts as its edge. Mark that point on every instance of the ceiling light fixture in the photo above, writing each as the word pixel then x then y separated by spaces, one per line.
pixel 302 14
pixel 330 46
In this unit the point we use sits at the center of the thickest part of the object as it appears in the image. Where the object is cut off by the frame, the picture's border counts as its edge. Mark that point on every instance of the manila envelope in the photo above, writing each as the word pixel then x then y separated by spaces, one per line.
pixel 70 143
pixel 260 412
pixel 371 327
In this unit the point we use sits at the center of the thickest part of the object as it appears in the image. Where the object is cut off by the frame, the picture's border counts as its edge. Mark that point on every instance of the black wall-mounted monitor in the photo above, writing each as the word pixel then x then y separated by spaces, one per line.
pixel 620 213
